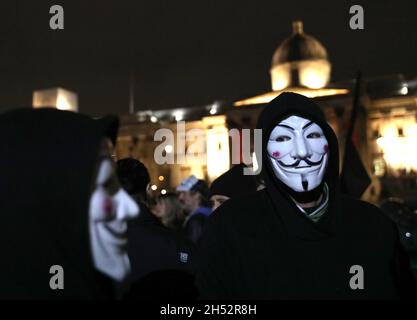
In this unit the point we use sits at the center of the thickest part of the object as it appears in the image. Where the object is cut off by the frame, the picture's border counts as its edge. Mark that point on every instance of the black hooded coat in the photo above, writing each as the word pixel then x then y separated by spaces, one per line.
pixel 47 168
pixel 263 247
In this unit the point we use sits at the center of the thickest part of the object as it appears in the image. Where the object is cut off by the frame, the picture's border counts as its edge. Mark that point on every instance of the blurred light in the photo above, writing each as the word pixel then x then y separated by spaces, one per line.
pixel 379 167
pixel 178 115
pixel 58 98
pixel 213 110
pixel 154 187
pixel 281 76
pixel 161 178
pixel 404 90
pixel 397 143
pixel 163 191
pixel 168 148
pixel 154 119
pixel 62 103
pixel 314 74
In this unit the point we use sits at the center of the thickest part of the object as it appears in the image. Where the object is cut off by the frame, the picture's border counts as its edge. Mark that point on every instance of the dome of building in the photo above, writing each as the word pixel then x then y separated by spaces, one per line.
pixel 301 61
pixel 299 46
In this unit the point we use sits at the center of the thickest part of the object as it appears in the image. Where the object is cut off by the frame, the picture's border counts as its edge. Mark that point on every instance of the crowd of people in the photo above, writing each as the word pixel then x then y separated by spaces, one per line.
pixel 289 234
pixel 163 240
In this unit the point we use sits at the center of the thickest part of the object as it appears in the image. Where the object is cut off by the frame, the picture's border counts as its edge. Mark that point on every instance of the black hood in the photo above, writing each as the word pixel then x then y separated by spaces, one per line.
pixel 48 164
pixel 285 105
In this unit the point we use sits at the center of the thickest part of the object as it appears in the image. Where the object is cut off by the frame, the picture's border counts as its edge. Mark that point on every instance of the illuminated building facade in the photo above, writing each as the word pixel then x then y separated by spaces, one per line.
pixel 385 132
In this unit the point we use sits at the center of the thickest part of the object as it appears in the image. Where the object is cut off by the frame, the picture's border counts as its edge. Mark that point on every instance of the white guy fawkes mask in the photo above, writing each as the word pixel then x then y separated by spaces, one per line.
pixel 298 151
pixel 110 208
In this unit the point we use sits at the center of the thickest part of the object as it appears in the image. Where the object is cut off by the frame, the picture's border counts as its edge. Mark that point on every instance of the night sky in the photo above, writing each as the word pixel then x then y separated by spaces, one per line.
pixel 186 53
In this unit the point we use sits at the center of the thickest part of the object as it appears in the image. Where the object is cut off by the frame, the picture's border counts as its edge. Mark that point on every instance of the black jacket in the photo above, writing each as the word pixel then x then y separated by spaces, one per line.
pixel 405 217
pixel 194 224
pixel 263 247
pixel 161 260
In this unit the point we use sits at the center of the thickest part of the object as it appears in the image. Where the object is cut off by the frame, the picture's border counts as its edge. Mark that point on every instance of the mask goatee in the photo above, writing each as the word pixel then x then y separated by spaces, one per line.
pixel 304 183
pixel 305 196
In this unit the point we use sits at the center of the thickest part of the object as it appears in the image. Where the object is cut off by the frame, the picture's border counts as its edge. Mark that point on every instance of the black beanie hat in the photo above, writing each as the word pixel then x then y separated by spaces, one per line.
pixel 133 175
pixel 234 183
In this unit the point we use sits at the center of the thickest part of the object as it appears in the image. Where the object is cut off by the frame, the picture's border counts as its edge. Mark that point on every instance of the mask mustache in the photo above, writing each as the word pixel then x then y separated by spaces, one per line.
pixel 297 162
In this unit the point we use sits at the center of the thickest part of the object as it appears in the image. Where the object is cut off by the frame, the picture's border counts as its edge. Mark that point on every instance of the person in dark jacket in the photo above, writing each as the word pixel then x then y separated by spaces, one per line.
pixel 134 177
pixel 404 214
pixel 193 196
pixel 300 238
pixel 63 212
pixel 231 184
pixel 161 259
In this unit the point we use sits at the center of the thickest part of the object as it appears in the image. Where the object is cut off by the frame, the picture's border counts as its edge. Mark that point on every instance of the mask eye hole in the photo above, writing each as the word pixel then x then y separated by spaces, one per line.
pixel 314 135
pixel 282 138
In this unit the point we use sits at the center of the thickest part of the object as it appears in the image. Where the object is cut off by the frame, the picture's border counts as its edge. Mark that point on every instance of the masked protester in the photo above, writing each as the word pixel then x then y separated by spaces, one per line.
pixel 231 184
pixel 300 238
pixel 63 212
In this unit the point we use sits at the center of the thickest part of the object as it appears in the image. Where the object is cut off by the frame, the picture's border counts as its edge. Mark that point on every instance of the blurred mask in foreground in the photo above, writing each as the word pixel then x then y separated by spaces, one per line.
pixel 110 208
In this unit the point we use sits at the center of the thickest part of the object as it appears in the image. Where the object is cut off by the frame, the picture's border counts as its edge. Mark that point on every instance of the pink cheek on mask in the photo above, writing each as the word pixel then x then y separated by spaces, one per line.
pixel 326 148
pixel 276 154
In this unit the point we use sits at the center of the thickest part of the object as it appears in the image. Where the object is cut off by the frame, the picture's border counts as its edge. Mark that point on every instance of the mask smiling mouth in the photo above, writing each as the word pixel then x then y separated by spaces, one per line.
pixel 296 163
pixel 117 229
